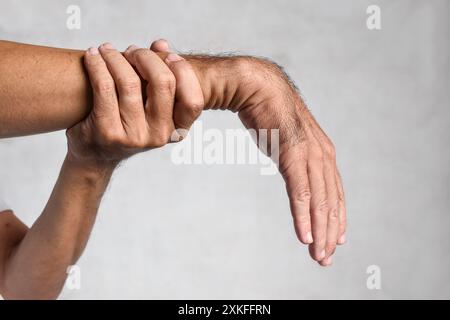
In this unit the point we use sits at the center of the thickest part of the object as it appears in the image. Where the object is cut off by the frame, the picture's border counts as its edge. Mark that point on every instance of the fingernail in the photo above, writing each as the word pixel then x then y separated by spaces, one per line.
pixel 173 57
pixel 342 239
pixel 322 255
pixel 92 51
pixel 309 238
pixel 108 46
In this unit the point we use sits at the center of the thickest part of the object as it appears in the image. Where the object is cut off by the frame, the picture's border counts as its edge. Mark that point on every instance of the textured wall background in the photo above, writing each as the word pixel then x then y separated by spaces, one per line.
pixel 167 231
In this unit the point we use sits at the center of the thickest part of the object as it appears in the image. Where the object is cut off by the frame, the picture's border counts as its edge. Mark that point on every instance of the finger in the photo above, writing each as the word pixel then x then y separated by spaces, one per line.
pixel 333 209
pixel 128 86
pixel 319 207
pixel 342 207
pixel 297 185
pixel 105 107
pixel 189 100
pixel 342 210
pixel 160 45
pixel 160 89
pixel 326 262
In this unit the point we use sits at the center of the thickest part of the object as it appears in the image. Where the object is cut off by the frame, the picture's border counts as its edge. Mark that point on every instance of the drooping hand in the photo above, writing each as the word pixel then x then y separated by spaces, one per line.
pixel 307 159
pixel 265 98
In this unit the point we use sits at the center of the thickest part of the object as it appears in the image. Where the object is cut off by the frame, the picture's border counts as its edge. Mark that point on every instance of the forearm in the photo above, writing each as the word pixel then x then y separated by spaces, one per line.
pixel 36 268
pixel 45 89
pixel 41 89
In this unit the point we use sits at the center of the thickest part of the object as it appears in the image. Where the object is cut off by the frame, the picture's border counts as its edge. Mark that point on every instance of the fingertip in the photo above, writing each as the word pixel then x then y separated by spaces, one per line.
pixel 160 45
pixel 342 239
pixel 309 238
pixel 322 254
pixel 92 51
pixel 319 255
pixel 316 254
pixel 107 46
pixel 129 53
pixel 131 48
pixel 326 262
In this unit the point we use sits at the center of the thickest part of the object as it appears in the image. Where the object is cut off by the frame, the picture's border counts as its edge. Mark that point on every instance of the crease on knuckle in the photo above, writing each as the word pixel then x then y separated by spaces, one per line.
pixel 129 85
pixel 302 196
pixel 194 107
pixel 165 82
pixel 160 139
pixel 321 208
pixel 333 215
pixel 302 219
pixel 104 87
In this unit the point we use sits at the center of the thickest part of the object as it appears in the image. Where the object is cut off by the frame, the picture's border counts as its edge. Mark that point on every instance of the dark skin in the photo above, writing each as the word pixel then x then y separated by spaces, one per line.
pixel 46 89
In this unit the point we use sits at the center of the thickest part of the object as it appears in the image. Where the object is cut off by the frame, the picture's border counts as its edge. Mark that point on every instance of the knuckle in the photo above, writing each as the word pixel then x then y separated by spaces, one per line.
pixel 140 54
pixel 330 151
pixel 129 85
pixel 111 138
pixel 317 153
pixel 165 82
pixel 166 134
pixel 321 208
pixel 160 139
pixel 104 87
pixel 341 197
pixel 158 142
pixel 303 196
pixel 192 109
pixel 195 107
pixel 138 143
pixel 302 219
pixel 333 215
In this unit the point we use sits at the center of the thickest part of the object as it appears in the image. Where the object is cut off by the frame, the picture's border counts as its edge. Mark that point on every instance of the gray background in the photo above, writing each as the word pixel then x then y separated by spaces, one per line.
pixel 168 231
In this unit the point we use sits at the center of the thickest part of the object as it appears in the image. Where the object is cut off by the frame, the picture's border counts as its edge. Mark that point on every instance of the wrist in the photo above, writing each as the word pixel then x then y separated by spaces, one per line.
pixel 227 82
pixel 92 169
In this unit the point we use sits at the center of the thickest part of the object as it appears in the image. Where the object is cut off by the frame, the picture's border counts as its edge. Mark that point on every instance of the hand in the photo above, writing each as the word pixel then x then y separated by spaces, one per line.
pixel 120 124
pixel 265 98
pixel 307 158
pixel 188 100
